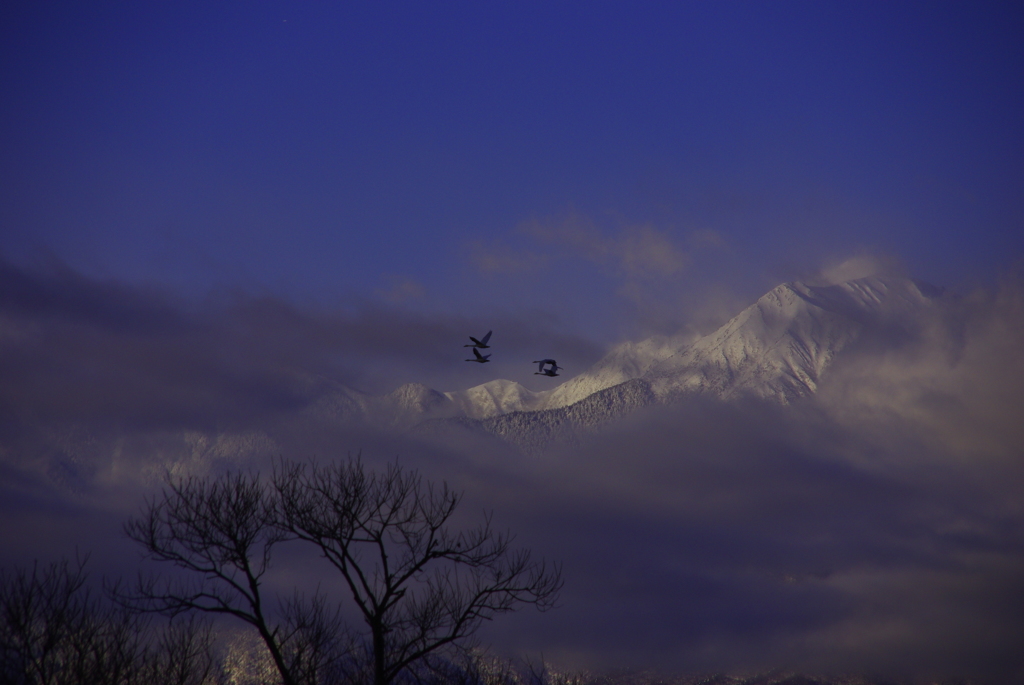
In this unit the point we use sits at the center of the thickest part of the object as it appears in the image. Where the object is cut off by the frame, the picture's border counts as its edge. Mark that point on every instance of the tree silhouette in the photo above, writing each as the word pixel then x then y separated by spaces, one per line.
pixel 223 532
pixel 420 587
pixel 54 631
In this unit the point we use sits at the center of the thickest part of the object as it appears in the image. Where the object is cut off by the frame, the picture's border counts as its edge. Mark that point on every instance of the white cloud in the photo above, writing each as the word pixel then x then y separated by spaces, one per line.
pixel 497 259
pixel 634 251
pixel 402 290
pixel 860 266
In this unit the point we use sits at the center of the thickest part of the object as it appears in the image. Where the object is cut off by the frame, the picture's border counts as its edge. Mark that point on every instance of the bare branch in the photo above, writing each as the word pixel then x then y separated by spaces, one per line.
pixel 419 586
pixel 422 588
pixel 222 531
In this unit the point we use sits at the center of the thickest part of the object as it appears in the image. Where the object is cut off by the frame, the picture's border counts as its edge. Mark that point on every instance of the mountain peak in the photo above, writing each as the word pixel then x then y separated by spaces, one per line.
pixel 779 347
pixel 494 397
pixel 776 348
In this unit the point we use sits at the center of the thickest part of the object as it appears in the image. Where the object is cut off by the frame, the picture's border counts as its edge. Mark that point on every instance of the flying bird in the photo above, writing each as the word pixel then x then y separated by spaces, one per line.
pixel 482 358
pixel 481 343
pixel 541 371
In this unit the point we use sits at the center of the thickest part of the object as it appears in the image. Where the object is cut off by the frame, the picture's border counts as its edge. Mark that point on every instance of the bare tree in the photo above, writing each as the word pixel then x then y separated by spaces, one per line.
pixel 53 631
pixel 182 656
pixel 420 586
pixel 223 532
pixel 41 613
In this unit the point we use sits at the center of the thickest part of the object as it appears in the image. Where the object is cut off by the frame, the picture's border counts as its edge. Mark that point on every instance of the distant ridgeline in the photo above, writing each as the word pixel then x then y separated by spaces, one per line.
pixel 775 350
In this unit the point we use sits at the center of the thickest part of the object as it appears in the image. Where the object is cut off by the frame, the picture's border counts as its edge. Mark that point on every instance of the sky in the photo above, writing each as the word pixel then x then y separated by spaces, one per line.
pixel 435 157
pixel 201 203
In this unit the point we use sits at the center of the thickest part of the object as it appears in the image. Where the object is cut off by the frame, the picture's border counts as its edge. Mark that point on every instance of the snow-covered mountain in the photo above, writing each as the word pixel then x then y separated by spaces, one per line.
pixel 777 349
pixel 623 363
pixel 495 398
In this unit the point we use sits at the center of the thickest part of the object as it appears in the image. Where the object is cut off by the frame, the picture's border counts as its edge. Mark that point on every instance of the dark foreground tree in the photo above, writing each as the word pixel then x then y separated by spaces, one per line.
pixel 223 532
pixel 419 585
pixel 421 588
pixel 53 631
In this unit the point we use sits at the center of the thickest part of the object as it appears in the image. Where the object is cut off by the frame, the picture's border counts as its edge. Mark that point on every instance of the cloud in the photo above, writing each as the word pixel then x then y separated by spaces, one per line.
pixel 873 528
pixel 706 538
pixel 632 277
pixel 629 251
pixel 860 266
pixel 501 259
pixel 78 349
pixel 958 380
pixel 402 290
pixel 635 251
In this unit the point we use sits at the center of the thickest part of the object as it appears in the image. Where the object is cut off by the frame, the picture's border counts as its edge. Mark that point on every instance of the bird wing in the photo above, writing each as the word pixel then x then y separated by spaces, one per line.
pixel 476 352
pixel 486 337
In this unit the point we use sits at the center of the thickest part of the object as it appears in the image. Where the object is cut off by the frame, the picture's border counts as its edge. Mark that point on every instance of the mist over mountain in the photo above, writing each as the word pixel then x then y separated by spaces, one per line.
pixel 830 481
pixel 777 349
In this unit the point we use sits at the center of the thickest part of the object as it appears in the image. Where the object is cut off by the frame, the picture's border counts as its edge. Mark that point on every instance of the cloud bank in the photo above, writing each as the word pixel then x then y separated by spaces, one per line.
pixel 875 528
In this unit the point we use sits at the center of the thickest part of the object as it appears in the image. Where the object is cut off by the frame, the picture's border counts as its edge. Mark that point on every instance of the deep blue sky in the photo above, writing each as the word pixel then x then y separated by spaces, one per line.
pixel 328 152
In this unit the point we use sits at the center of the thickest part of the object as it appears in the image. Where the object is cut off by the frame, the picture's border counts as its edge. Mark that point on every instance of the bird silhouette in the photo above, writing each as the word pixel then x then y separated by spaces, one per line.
pixel 481 343
pixel 482 358
pixel 541 371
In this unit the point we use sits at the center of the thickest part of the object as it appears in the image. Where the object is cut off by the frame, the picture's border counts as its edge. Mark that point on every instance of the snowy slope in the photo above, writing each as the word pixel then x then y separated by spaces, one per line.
pixel 776 348
pixel 533 430
pixel 625 362
pixel 780 346
pixel 409 404
pixel 493 398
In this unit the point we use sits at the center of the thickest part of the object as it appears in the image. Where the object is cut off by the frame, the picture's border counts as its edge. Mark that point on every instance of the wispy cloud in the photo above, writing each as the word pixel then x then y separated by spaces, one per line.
pixel 631 251
pixel 401 290
pixel 634 251
pixel 859 266
pixel 641 269
pixel 495 259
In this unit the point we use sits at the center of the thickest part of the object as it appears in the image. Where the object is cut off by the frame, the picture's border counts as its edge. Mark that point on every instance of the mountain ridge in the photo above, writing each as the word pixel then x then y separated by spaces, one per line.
pixel 776 349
